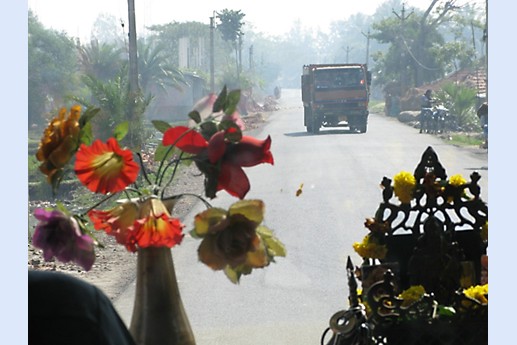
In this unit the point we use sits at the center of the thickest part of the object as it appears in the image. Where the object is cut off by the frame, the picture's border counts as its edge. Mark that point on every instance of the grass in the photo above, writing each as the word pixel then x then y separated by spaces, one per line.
pixel 465 139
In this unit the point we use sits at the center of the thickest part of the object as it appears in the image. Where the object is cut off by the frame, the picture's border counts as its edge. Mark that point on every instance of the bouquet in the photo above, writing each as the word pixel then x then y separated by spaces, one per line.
pixel 232 240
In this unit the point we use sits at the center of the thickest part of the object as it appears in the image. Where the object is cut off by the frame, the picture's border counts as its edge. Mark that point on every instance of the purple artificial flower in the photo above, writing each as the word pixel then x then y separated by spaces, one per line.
pixel 59 235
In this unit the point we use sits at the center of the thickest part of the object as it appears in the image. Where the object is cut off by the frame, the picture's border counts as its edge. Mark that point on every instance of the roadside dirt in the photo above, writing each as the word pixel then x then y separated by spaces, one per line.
pixel 114 266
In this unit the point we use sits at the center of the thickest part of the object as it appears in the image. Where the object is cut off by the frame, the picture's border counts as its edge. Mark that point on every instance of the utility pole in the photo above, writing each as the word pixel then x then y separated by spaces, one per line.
pixel 367 46
pixel 133 70
pixel 347 52
pixel 212 52
pixel 251 57
pixel 402 67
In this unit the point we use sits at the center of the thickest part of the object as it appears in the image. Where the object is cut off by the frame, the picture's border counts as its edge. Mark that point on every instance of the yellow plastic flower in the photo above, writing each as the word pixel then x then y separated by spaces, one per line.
pixel 412 295
pixel 403 186
pixel 478 292
pixel 59 142
pixel 369 248
pixel 457 180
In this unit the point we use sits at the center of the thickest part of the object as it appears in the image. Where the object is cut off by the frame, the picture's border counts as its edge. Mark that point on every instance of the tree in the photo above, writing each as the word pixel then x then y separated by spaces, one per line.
pixel 156 68
pixel 417 51
pixel 101 60
pixel 230 24
pixel 52 69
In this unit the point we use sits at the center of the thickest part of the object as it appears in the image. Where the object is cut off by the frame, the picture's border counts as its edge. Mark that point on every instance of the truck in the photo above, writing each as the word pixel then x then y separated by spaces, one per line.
pixel 336 95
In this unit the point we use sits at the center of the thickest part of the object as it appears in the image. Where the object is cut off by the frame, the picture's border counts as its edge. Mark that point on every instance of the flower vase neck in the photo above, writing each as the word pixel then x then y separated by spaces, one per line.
pixel 158 313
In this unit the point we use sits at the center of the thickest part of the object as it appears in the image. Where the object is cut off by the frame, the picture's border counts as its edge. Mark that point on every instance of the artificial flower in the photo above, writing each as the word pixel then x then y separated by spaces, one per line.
pixel 234 240
pixel 59 142
pixel 375 226
pixel 117 221
pixel 457 180
pixel 155 227
pixel 411 295
pixel 370 248
pixel 105 167
pixel 59 235
pixel 220 160
pixel 403 186
pixel 478 293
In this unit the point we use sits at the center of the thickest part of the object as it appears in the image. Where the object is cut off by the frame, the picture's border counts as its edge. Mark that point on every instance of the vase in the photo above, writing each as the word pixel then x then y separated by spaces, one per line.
pixel 158 313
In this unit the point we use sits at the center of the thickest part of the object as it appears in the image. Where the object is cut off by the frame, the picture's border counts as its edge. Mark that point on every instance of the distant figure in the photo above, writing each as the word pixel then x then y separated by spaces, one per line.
pixel 483 120
pixel 426 111
pixel 277 92
pixel 64 310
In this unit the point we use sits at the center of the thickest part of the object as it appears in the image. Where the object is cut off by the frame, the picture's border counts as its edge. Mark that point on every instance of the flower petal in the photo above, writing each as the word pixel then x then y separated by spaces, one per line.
pixel 250 152
pixel 105 168
pixel 209 218
pixel 216 147
pixel 185 139
pixel 233 180
pixel 251 209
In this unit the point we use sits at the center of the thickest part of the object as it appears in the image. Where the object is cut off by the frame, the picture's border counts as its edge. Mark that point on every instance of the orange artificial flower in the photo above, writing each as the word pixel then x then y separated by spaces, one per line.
pixel 105 168
pixel 155 226
pixel 59 142
pixel 117 222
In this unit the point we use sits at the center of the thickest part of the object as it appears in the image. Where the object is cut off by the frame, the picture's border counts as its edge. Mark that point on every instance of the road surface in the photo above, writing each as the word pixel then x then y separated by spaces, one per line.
pixel 292 300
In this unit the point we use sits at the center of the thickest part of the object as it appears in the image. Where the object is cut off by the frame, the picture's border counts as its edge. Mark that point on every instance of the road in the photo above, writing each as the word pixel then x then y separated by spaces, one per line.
pixel 291 301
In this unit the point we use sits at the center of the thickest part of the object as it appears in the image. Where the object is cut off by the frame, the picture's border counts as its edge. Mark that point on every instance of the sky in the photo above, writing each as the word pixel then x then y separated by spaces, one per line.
pixel 271 17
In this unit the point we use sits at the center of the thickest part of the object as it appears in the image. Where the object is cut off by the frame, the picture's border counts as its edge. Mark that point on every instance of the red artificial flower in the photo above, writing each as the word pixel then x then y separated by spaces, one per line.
pixel 155 226
pixel 105 168
pixel 221 160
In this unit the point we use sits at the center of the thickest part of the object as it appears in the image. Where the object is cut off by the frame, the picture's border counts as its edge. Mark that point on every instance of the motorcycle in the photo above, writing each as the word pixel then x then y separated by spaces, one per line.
pixel 433 120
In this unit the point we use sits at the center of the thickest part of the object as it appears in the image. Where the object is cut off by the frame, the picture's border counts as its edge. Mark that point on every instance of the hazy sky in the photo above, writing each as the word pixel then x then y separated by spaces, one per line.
pixel 268 16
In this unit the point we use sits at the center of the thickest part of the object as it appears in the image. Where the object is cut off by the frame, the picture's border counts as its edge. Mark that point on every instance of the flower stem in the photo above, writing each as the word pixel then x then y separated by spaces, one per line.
pixel 98 203
pixel 176 163
pixel 139 155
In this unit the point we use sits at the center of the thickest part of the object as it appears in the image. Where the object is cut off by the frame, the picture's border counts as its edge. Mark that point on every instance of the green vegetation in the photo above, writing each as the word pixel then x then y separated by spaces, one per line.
pixel 466 139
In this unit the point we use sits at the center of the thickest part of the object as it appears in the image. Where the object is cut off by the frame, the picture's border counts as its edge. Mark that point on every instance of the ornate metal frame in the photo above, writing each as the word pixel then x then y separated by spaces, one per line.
pixel 434 241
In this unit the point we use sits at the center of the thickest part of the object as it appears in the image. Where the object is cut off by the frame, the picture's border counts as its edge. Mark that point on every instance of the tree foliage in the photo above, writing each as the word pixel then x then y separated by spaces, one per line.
pixel 417 51
pixel 52 67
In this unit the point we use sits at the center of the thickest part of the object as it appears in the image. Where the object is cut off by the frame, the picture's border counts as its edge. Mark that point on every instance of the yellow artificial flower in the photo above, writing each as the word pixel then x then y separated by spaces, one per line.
pixel 369 248
pixel 478 292
pixel 412 295
pixel 59 142
pixel 403 186
pixel 457 180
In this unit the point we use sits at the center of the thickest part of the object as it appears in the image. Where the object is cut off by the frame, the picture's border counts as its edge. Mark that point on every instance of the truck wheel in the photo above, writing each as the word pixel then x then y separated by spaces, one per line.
pixel 316 125
pixel 307 118
pixel 363 125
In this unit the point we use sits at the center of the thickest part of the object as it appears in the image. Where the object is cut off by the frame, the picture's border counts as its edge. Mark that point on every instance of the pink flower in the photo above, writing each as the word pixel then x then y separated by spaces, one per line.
pixel 59 235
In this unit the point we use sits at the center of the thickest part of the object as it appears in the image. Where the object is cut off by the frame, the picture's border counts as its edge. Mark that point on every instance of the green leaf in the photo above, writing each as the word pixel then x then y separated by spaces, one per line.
pixel 273 244
pixel 232 101
pixel 164 152
pixel 446 311
pixel 121 130
pixel 194 115
pixel 87 116
pixel 220 102
pixel 233 275
pixel 86 134
pixel 160 125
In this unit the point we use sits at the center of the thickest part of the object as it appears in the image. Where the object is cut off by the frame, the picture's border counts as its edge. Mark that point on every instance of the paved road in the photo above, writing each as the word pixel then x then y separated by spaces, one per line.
pixel 291 301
